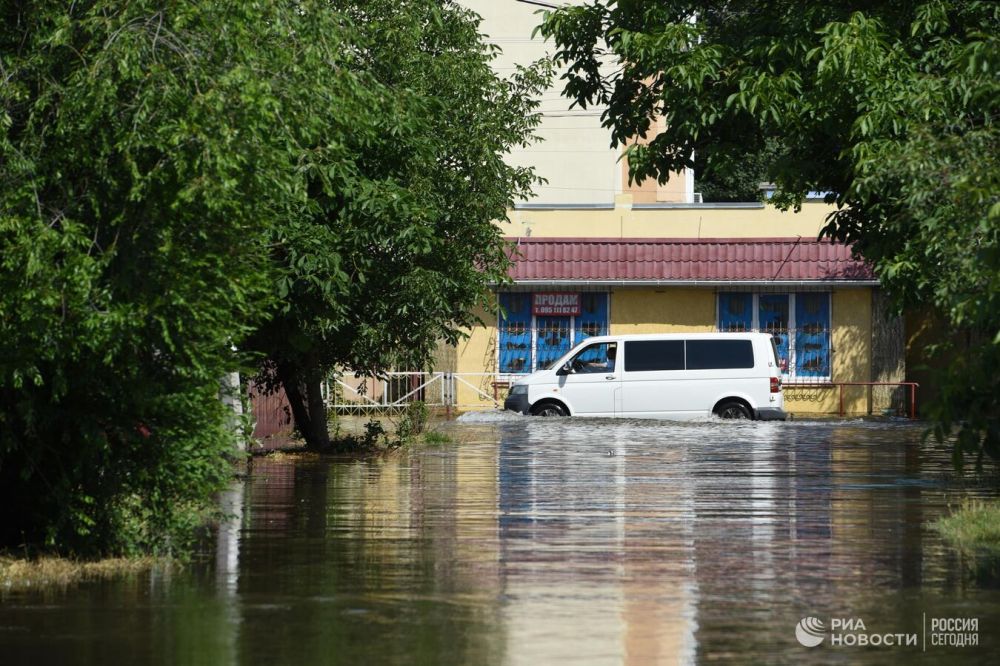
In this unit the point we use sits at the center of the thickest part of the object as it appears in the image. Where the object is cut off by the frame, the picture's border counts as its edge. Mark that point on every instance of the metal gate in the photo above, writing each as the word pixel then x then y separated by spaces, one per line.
pixel 395 390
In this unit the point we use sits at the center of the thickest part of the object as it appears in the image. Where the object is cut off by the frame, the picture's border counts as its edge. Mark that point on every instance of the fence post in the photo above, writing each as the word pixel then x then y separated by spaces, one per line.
pixel 446 396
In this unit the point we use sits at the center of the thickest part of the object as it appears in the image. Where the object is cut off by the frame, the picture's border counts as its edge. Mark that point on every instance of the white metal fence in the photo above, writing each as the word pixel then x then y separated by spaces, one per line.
pixel 395 390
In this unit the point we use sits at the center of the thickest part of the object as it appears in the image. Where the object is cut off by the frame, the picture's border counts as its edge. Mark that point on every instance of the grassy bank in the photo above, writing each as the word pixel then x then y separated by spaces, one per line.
pixel 974 529
pixel 56 572
pixel 365 436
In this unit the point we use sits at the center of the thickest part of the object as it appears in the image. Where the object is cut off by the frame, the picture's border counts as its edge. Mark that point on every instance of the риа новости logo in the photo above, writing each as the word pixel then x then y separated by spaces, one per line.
pixel 810 631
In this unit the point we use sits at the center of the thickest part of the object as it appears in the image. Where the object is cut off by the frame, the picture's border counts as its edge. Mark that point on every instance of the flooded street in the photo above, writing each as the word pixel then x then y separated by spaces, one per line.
pixel 537 541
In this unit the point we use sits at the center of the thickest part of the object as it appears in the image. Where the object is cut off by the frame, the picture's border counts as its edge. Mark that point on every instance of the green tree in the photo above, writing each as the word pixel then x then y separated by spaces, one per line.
pixel 734 178
pixel 890 106
pixel 400 249
pixel 153 156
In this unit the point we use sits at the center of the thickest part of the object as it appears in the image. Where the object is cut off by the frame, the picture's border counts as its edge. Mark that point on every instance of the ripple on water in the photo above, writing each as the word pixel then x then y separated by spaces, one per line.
pixel 491 416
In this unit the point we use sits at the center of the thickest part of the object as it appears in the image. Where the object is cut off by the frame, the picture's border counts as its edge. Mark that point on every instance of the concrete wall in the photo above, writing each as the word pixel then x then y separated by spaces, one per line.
pixel 923 329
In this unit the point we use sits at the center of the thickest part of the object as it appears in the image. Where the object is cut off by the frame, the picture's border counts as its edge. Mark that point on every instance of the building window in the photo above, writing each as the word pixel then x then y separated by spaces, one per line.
pixel 799 323
pixel 537 328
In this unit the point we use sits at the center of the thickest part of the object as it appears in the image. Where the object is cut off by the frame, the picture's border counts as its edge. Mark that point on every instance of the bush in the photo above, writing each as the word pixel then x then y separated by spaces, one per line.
pixel 412 422
pixel 974 529
pixel 374 433
pixel 434 438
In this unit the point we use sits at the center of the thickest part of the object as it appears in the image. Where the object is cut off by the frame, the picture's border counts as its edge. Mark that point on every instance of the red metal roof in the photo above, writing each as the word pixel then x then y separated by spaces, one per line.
pixel 686 259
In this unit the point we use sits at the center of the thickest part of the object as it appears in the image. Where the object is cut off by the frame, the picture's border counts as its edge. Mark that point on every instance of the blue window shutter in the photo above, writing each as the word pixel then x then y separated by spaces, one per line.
pixel 515 332
pixel 553 339
pixel 593 318
pixel 812 334
pixel 773 319
pixel 735 312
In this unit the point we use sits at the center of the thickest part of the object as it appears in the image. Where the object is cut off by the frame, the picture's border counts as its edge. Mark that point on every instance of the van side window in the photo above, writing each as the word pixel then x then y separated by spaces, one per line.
pixel 719 354
pixel 650 355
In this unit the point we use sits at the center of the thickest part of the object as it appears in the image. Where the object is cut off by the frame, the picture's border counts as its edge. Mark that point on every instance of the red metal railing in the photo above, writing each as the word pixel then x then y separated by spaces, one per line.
pixel 912 385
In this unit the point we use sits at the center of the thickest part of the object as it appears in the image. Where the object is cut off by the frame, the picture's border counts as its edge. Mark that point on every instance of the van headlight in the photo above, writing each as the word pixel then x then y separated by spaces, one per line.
pixel 519 389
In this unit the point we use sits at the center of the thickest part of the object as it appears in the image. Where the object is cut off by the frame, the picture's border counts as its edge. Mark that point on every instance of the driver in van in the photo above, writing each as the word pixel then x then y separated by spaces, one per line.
pixel 607 364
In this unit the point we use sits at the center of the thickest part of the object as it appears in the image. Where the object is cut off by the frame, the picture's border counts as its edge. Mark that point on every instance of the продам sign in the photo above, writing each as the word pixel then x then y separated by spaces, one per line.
pixel 555 304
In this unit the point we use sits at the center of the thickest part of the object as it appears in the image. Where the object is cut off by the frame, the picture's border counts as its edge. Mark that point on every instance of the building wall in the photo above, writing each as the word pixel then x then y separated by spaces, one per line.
pixel 678 188
pixel 852 335
pixel 674 310
pixel 695 221
pixel 476 362
pixel 573 152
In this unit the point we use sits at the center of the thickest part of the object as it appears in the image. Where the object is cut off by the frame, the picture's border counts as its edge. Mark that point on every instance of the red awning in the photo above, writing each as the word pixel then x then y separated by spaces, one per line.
pixel 686 260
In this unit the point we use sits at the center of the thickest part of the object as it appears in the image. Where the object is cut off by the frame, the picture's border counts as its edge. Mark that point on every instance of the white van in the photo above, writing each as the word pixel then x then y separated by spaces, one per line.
pixel 670 376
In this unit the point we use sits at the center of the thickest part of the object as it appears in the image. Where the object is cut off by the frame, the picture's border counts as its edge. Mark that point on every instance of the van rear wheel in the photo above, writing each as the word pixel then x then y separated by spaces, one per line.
pixel 733 410
pixel 549 409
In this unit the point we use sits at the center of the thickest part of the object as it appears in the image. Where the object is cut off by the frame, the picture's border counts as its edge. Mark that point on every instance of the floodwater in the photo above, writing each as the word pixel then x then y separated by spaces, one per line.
pixel 547 541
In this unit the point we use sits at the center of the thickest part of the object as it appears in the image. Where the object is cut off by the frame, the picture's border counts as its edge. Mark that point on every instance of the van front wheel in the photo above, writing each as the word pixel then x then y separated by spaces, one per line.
pixel 733 410
pixel 549 409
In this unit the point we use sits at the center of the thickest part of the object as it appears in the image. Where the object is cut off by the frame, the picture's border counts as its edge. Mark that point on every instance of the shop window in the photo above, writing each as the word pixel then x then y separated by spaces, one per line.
pixel 593 317
pixel 735 312
pixel 515 333
pixel 772 317
pixel 529 340
pixel 812 335
pixel 553 339
pixel 798 322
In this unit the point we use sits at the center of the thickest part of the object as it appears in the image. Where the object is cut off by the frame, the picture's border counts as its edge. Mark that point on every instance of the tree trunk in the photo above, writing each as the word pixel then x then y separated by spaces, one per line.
pixel 320 437
pixel 304 392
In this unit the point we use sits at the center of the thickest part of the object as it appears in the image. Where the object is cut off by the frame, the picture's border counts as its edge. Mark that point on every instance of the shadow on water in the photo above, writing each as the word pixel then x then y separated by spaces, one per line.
pixel 541 540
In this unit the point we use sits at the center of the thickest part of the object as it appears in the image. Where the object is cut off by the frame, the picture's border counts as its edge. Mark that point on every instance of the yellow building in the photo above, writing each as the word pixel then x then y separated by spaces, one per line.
pixel 646 268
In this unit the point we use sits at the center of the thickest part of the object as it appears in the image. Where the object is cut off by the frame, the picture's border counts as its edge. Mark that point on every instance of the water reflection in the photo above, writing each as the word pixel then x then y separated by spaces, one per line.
pixel 596 546
pixel 539 541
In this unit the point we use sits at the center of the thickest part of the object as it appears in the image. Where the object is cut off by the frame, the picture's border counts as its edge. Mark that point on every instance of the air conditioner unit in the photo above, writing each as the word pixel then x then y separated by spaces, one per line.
pixel 696 198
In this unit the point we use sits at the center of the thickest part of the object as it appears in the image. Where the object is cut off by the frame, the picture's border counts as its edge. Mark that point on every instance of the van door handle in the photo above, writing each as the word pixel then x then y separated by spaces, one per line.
pixel 609 376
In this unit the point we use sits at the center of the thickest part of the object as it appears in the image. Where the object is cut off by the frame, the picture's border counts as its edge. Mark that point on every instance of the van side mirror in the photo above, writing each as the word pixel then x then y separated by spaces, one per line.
pixel 566 368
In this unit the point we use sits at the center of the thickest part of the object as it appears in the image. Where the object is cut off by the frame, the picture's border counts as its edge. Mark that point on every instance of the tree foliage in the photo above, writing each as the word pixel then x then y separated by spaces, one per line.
pixel 185 185
pixel 890 106
pixel 133 138
pixel 736 178
pixel 397 255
